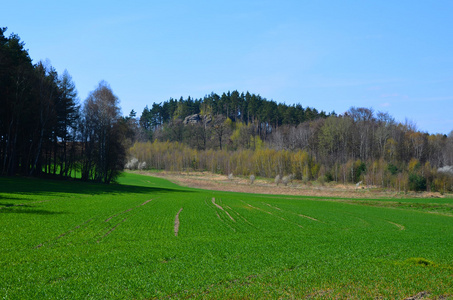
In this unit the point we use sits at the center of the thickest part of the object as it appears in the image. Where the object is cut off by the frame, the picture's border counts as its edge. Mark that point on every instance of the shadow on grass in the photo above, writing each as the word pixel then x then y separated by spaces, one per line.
pixel 37 186
pixel 6 205
pixel 20 210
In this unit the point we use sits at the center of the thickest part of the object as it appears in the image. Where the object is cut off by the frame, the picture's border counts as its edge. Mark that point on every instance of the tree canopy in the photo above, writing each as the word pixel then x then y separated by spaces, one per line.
pixel 42 129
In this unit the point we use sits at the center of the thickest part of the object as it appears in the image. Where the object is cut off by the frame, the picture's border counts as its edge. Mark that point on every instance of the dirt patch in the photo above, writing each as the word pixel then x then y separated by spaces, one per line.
pixel 210 181
pixel 177 222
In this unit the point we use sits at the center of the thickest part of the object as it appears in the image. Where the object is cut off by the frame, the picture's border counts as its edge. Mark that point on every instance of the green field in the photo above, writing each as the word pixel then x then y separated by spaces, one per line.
pixel 83 240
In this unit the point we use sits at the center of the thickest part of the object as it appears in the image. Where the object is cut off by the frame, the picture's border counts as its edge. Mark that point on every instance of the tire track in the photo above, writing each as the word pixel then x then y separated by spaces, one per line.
pixel 122 221
pixel 307 217
pixel 66 233
pixel 221 208
pixel 271 206
pixel 240 216
pixel 111 230
pixel 177 222
pixel 268 212
pixel 400 227
pixel 300 215
pixel 127 210
pixel 218 216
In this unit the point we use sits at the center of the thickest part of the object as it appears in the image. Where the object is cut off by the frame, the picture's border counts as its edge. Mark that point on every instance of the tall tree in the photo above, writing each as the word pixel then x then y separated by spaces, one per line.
pixel 104 135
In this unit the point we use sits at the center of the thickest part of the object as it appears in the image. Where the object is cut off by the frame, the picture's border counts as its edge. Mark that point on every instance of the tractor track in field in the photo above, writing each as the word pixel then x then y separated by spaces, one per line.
pixel 66 233
pixel 111 230
pixel 308 217
pixel 218 216
pixel 268 212
pixel 400 227
pixel 177 223
pixel 221 208
pixel 127 210
pixel 122 221
pixel 300 215
pixel 272 206
pixel 240 216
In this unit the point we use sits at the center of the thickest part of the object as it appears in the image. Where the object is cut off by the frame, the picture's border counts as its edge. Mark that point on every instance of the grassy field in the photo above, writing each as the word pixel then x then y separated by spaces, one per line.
pixel 149 238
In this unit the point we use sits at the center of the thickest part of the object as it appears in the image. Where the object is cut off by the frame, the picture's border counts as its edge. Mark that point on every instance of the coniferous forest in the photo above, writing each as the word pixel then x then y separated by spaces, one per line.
pixel 46 131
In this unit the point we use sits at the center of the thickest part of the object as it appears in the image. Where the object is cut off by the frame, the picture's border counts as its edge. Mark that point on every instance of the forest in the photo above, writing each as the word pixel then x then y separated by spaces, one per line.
pixel 44 131
pixel 246 134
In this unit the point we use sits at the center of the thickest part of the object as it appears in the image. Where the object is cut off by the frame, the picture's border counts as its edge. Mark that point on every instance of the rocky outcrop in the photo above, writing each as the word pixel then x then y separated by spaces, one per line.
pixel 196 118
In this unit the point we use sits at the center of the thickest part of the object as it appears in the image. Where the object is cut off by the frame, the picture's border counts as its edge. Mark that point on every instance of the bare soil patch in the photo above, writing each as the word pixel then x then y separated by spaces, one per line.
pixel 210 181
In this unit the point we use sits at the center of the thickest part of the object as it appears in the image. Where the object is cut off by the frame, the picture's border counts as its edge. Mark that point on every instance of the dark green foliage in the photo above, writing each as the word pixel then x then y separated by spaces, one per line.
pixel 41 129
pixel 238 107
pixel 329 177
pixel 392 169
pixel 360 168
pixel 417 182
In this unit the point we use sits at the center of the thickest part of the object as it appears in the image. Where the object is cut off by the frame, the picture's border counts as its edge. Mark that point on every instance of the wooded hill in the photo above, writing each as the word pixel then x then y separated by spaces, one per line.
pixel 246 134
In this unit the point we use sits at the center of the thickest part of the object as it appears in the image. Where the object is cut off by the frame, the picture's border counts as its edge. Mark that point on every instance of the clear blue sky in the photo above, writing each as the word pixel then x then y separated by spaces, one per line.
pixel 393 56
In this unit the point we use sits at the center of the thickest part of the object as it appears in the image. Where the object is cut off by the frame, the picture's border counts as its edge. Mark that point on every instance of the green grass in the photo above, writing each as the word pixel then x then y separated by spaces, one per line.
pixel 68 239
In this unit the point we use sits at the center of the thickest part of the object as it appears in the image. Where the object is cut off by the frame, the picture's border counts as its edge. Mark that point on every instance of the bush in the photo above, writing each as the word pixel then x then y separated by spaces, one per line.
pixel 142 165
pixel 286 180
pixel 277 179
pixel 392 169
pixel 417 182
pixel 132 164
pixel 329 177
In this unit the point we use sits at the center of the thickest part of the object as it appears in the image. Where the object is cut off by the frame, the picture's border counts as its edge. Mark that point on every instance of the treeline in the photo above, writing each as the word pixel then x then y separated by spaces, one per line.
pixel 244 108
pixel 43 128
pixel 359 145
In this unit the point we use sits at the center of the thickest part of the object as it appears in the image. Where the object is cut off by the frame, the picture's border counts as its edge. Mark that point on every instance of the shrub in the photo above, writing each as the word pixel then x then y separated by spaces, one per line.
pixel 286 180
pixel 392 169
pixel 277 179
pixel 417 182
pixel 142 165
pixel 132 164
pixel 448 170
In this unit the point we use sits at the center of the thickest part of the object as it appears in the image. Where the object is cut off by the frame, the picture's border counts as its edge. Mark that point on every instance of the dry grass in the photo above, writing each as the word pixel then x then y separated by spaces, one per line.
pixel 218 182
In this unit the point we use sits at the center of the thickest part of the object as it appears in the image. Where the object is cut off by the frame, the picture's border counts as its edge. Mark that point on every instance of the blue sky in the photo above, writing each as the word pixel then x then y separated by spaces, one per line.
pixel 392 56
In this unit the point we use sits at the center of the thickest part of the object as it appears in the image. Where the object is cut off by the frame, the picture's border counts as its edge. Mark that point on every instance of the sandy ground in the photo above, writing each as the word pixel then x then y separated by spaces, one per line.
pixel 210 181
